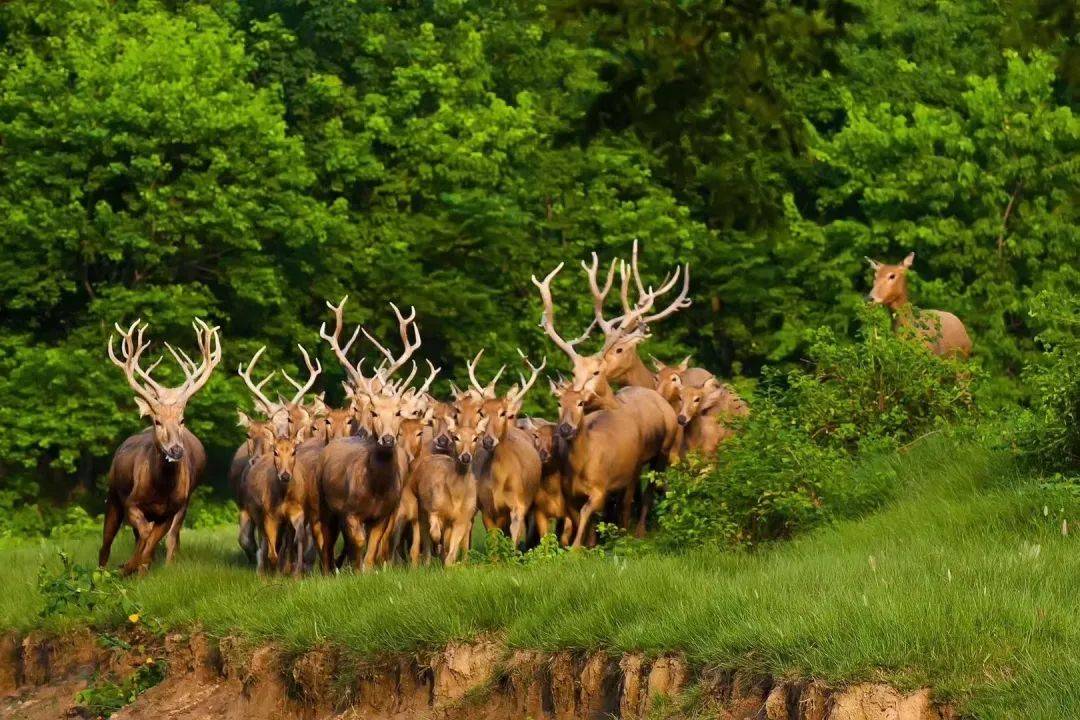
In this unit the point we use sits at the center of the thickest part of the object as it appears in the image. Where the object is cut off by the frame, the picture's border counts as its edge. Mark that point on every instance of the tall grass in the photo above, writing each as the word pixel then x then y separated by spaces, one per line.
pixel 966 584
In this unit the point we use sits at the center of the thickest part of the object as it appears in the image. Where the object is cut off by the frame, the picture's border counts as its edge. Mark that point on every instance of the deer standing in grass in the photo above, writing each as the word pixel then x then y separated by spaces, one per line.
pixel 549 504
pixel 942 332
pixel 360 478
pixel 507 466
pixel 154 472
pixel 286 418
pixel 446 489
pixel 274 498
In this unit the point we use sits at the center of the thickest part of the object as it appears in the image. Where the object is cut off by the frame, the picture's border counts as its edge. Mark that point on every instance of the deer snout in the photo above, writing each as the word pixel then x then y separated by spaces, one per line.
pixel 465 458
pixel 442 442
pixel 489 442
pixel 567 431
pixel 682 419
pixel 286 476
pixel 545 455
pixel 387 441
pixel 174 452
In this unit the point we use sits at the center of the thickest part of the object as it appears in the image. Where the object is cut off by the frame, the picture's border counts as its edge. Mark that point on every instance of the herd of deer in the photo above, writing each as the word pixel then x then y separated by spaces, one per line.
pixel 398 472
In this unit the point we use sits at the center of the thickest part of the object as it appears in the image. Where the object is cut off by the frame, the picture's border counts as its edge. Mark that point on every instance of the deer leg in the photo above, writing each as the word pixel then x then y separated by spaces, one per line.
pixel 142 528
pixel 570 522
pixel 377 531
pixel 140 562
pixel 246 536
pixel 318 540
pixel 114 518
pixel 457 539
pixel 172 539
pixel 627 507
pixel 542 523
pixel 647 496
pixel 355 537
pixel 417 540
pixel 270 535
pixel 298 530
pixel 595 501
pixel 517 525
pixel 329 532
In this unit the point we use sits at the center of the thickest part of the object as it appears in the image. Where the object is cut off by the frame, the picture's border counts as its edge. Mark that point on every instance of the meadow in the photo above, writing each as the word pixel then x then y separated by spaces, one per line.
pixel 965 583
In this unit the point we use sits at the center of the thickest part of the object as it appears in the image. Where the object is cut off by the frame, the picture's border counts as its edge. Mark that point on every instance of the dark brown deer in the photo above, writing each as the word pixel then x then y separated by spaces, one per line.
pixel 360 478
pixel 942 332
pixel 154 472
pixel 507 467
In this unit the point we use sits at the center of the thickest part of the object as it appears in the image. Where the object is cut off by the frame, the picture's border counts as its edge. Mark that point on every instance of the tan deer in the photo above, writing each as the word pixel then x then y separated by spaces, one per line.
pixel 507 467
pixel 447 493
pixel 601 458
pixel 274 496
pixel 707 413
pixel 337 423
pixel 154 472
pixel 360 478
pixel 259 437
pixel 942 332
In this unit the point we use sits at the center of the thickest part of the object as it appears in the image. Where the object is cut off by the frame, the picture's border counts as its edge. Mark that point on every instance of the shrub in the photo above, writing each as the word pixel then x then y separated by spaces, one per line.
pixel 792 464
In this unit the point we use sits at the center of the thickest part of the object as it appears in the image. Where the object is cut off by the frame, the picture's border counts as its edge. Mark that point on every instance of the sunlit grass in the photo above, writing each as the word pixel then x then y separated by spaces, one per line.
pixel 962 584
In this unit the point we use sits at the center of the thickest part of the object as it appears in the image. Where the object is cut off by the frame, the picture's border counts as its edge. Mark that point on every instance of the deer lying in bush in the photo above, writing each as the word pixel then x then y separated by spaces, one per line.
pixel 507 467
pixel 274 495
pixel 706 413
pixel 942 332
pixel 360 478
pixel 446 489
pixel 154 472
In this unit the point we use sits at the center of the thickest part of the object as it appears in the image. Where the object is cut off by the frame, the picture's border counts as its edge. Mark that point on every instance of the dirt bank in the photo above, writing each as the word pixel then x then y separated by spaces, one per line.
pixel 223 680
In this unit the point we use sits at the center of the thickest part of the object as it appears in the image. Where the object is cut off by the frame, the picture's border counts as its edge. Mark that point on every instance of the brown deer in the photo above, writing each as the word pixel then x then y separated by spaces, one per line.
pixel 507 467
pixel 259 437
pixel 274 497
pixel 154 472
pixel 360 478
pixel 602 455
pixel 942 332
pixel 706 414
pixel 549 505
pixel 447 493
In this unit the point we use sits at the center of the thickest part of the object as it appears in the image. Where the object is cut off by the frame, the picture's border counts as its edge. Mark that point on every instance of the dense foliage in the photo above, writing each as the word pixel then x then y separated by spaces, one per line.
pixel 245 162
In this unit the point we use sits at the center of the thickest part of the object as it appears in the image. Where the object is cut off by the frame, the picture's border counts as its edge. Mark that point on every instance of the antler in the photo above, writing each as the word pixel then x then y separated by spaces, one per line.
pixel 353 371
pixel 132 349
pixel 432 372
pixel 487 391
pixel 647 298
pixel 516 395
pixel 209 341
pixel 409 347
pixel 313 373
pixel 547 320
pixel 268 407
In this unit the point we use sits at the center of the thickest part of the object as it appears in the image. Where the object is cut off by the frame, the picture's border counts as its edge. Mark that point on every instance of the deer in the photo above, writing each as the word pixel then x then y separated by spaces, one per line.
pixel 154 472
pixel 274 497
pixel 286 418
pixel 706 413
pixel 361 478
pixel 508 466
pixel 259 437
pixel 601 454
pixel 942 332
pixel 446 489
pixel 549 504
pixel 658 435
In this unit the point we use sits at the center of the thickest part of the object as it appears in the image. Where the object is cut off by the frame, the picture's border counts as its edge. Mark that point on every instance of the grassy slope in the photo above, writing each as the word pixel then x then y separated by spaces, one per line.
pixel 963 585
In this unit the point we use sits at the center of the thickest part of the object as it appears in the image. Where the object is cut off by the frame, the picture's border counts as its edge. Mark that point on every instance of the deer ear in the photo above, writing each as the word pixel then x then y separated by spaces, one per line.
pixel 685 364
pixel 242 419
pixel 144 407
pixel 908 260
pixel 874 264
pixel 657 365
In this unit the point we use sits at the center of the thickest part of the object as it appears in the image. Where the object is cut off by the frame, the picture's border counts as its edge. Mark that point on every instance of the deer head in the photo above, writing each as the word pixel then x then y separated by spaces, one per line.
pixel 287 415
pixel 543 437
pixel 337 423
pixel 890 282
pixel 502 412
pixel 259 433
pixel 572 408
pixel 466 438
pixel 669 378
pixel 165 406
pixel 622 333
pixel 284 449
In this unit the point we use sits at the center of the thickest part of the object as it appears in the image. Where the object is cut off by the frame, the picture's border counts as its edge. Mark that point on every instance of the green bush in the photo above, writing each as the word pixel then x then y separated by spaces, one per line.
pixel 1049 433
pixel 792 464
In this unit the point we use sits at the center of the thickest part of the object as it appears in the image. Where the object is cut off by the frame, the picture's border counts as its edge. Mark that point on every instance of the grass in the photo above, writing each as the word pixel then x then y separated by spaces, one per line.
pixel 965 584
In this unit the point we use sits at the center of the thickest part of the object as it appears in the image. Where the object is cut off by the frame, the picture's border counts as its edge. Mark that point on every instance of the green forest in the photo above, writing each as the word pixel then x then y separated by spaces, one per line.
pixel 245 162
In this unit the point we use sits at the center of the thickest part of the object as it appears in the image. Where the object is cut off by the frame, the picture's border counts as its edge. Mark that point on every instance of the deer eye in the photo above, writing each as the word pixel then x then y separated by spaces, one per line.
pixel 581 404
pixel 596 372
pixel 618 350
pixel 892 276
pixel 457 438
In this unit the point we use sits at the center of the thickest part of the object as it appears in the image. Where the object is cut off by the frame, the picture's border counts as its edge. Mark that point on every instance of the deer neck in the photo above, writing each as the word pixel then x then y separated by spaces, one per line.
pixel 604 398
pixel 638 375
pixel 382 467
